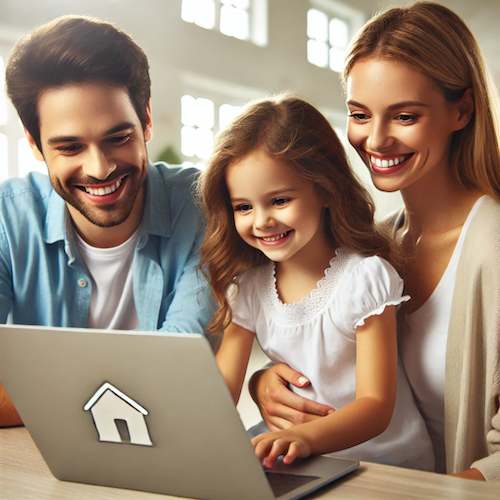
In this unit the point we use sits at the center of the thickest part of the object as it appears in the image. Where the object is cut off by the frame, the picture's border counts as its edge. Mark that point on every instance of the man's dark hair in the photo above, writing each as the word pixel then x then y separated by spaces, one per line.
pixel 74 49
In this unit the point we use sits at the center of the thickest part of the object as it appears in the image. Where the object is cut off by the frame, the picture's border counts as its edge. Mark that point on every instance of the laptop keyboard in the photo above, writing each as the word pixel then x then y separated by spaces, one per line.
pixel 282 483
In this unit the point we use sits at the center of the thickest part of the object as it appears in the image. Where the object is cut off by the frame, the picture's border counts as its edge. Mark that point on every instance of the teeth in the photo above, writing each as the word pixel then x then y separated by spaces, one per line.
pixel 388 163
pixel 275 238
pixel 103 191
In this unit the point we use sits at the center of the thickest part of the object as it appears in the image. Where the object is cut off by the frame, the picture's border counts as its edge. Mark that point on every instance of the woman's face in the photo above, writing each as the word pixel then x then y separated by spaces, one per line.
pixel 400 124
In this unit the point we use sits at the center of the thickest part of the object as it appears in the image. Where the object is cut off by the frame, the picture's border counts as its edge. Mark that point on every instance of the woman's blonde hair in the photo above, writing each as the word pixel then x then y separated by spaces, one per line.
pixel 291 131
pixel 435 41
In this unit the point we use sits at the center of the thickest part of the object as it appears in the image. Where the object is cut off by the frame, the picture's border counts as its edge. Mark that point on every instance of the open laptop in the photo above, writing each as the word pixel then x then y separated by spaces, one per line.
pixel 145 411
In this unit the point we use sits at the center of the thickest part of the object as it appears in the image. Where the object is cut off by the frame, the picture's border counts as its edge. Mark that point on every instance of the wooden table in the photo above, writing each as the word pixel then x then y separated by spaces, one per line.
pixel 24 475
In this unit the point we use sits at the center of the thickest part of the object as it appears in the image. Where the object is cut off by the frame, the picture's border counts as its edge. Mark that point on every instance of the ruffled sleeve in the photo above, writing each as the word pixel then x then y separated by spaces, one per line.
pixel 241 298
pixel 371 286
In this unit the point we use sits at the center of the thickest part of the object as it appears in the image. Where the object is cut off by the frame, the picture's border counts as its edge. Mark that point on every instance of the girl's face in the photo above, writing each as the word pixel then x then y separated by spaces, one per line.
pixel 275 210
pixel 399 123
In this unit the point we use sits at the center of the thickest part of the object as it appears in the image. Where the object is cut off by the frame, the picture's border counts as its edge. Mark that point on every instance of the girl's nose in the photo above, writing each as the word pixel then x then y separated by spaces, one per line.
pixel 263 219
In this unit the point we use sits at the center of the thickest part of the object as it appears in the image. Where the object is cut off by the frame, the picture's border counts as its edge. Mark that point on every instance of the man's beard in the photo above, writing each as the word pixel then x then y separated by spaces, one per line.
pixel 103 215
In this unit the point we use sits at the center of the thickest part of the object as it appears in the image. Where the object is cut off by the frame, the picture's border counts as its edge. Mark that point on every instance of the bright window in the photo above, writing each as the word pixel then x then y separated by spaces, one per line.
pixel 199 125
pixel 4 158
pixel 330 25
pixel 243 19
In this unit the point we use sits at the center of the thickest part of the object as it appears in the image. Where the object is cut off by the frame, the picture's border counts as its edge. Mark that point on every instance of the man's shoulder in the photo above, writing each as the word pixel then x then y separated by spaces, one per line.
pixel 35 185
pixel 173 176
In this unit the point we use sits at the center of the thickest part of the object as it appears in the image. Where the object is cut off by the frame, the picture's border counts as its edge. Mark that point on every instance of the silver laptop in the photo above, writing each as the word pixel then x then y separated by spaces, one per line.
pixel 144 411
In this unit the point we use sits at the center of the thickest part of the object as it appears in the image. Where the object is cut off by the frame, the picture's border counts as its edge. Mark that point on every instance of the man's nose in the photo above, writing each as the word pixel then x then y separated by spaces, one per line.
pixel 98 165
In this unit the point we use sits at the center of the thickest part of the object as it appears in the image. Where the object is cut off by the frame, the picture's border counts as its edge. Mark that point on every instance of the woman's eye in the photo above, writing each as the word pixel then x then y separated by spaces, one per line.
pixel 280 201
pixel 243 208
pixel 359 117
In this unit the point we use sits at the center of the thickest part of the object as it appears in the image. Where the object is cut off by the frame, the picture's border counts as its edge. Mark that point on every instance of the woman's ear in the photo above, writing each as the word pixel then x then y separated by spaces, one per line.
pixel 465 107
pixel 36 152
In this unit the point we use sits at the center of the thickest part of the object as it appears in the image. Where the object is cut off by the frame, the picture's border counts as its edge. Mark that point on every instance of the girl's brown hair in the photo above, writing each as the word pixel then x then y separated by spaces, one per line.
pixel 435 41
pixel 292 131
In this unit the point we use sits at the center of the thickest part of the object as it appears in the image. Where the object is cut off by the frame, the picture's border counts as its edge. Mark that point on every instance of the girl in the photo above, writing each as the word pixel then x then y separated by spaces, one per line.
pixel 418 93
pixel 293 256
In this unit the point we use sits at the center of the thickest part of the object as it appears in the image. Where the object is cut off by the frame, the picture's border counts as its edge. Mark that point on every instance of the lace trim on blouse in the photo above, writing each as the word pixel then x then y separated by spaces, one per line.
pixel 314 303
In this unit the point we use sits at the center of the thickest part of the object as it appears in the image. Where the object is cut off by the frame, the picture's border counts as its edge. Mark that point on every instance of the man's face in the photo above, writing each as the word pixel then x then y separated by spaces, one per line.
pixel 95 150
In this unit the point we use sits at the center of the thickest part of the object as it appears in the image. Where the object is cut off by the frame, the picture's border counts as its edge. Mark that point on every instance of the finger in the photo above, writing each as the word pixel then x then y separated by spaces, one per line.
pixel 279 447
pixel 294 451
pixel 290 375
pixel 285 404
pixel 275 424
pixel 262 447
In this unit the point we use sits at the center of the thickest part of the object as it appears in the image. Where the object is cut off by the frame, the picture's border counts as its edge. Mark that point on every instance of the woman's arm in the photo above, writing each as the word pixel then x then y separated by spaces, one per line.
pixel 233 355
pixel 363 419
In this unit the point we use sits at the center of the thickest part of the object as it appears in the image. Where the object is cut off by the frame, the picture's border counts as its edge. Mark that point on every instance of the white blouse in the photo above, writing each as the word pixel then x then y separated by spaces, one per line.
pixel 317 337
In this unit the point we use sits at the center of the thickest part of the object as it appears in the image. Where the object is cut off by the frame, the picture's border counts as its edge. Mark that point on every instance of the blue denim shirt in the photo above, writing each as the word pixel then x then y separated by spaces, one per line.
pixel 43 280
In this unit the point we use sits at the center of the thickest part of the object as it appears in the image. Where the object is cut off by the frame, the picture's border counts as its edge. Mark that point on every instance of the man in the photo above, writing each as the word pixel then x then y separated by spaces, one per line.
pixel 108 240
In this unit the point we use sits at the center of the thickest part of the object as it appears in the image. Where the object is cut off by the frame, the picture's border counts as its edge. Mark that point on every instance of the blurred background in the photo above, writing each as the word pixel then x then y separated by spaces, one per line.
pixel 209 57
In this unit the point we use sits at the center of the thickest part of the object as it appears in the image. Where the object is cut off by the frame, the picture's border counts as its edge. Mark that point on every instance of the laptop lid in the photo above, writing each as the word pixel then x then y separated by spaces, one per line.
pixel 146 411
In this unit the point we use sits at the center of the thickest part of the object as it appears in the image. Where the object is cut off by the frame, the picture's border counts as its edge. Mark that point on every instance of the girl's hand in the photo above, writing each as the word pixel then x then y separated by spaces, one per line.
pixel 269 446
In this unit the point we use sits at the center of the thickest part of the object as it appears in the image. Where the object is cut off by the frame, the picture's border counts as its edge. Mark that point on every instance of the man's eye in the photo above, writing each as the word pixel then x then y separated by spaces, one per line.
pixel 118 139
pixel 69 149
pixel 243 208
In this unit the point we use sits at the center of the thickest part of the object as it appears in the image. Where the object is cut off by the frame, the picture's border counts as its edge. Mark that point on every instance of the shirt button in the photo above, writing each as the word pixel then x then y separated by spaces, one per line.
pixel 82 282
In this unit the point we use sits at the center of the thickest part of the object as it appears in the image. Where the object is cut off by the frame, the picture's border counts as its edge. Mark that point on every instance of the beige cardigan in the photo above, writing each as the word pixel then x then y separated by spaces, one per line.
pixel 472 380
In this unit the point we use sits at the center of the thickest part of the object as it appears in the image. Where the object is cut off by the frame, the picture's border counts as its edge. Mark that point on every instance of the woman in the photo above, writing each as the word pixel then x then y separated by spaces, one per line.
pixel 423 119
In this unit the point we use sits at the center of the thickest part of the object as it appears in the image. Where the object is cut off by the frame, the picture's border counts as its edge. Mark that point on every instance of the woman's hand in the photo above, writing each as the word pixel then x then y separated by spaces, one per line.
pixel 279 406
pixel 269 446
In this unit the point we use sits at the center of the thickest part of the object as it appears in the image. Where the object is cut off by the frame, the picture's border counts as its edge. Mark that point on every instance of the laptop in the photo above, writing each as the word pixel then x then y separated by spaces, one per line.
pixel 146 411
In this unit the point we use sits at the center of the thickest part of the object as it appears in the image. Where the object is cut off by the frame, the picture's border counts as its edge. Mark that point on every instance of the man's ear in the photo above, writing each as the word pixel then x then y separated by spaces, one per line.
pixel 36 152
pixel 465 107
pixel 148 128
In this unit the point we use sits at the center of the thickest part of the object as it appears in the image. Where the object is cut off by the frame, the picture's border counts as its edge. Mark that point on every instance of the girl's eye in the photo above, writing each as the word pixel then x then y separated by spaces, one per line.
pixel 358 117
pixel 243 208
pixel 118 139
pixel 280 201
pixel 407 118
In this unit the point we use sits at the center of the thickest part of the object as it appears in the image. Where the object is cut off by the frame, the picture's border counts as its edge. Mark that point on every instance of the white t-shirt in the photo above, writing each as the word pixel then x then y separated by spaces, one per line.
pixel 317 337
pixel 110 269
pixel 422 345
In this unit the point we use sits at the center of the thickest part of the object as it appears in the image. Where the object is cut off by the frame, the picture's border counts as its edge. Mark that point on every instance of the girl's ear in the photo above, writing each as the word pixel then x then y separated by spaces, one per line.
pixel 36 152
pixel 465 107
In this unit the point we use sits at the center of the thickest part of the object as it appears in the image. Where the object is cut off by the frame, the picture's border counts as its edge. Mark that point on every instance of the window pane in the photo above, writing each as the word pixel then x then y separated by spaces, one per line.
pixel 317 25
pixel 204 143
pixel 3 108
pixel 337 59
pixel 188 141
pixel 4 169
pixel 204 113
pixel 27 162
pixel 339 33
pixel 188 110
pixel 317 53
pixel 234 22
pixel 200 12
pixel 227 113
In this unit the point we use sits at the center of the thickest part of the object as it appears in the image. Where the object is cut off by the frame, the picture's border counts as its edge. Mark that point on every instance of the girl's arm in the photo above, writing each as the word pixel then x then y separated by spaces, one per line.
pixel 233 355
pixel 363 419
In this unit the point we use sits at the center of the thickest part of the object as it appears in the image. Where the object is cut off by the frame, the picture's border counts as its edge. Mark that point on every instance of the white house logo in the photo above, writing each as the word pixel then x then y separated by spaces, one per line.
pixel 118 418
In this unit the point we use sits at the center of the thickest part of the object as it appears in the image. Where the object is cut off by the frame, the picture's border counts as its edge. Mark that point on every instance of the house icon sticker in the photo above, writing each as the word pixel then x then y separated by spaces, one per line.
pixel 118 418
